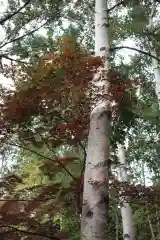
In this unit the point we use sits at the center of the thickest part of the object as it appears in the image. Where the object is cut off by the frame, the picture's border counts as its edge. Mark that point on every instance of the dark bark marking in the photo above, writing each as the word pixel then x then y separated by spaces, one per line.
pixel 89 214
pixel 105 24
pixel 106 112
pixel 102 49
pixel 106 200
pixel 126 235
pixel 101 164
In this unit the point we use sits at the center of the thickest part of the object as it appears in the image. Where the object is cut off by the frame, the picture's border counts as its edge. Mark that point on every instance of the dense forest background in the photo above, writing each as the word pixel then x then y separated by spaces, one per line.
pixel 48 53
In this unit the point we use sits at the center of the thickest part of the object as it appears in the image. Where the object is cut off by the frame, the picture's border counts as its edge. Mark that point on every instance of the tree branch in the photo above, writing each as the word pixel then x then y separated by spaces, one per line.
pixel 9 16
pixel 134 49
pixel 26 34
pixel 11 59
pixel 78 141
pixel 51 149
pixel 26 200
pixel 42 156
pixel 117 5
pixel 13 229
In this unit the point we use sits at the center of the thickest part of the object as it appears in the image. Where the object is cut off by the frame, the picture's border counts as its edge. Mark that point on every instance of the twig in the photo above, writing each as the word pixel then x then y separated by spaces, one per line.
pixel 117 5
pixel 79 142
pixel 42 156
pixel 26 34
pixel 57 160
pixel 14 60
pixel 25 200
pixel 26 232
pixel 9 16
pixel 134 49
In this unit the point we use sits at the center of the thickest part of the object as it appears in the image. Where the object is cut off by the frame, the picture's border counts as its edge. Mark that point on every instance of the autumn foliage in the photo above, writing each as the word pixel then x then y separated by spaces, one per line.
pixel 51 105
pixel 60 89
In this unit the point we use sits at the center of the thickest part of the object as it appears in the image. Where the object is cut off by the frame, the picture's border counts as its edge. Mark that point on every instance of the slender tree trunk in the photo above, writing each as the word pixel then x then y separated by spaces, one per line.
pixel 155 63
pixel 150 223
pixel 126 210
pixel 95 195
pixel 158 222
pixel 117 223
pixel 156 70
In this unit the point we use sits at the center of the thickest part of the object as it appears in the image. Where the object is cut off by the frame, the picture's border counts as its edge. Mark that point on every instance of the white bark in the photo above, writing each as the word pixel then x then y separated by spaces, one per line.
pixel 95 195
pixel 101 28
pixel 150 223
pixel 155 64
pixel 156 70
pixel 126 210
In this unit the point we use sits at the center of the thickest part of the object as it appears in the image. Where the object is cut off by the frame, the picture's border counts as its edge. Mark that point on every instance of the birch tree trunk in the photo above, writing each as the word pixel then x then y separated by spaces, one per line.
pixel 156 70
pixel 155 63
pixel 126 210
pixel 150 223
pixel 95 195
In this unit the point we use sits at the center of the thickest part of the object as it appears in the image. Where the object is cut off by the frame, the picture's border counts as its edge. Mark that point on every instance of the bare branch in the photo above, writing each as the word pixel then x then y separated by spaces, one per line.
pixel 117 5
pixel 11 59
pixel 26 200
pixel 14 229
pixel 9 16
pixel 26 34
pixel 45 157
pixel 134 49
pixel 52 150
